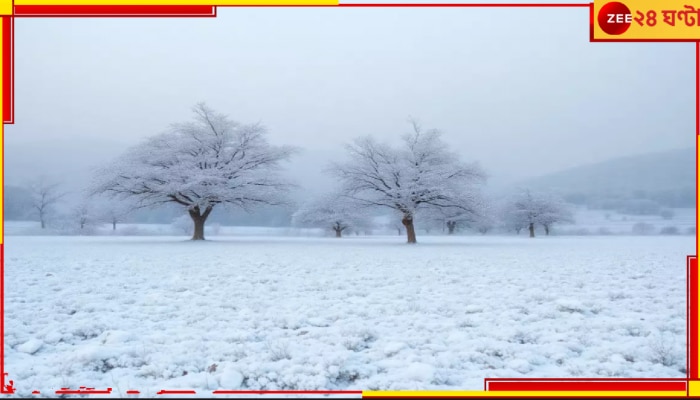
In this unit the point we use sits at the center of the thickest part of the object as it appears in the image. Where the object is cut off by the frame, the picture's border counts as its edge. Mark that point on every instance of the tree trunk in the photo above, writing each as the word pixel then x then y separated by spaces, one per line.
pixel 114 225
pixel 531 228
pixel 199 219
pixel 338 232
pixel 517 231
pixel 451 225
pixel 407 221
pixel 546 230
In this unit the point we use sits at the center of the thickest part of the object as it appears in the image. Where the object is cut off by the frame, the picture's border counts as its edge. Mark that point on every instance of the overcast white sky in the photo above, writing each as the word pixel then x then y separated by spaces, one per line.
pixel 522 98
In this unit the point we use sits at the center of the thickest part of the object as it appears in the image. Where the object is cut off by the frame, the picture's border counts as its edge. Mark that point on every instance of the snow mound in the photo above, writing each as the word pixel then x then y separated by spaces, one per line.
pixel 31 346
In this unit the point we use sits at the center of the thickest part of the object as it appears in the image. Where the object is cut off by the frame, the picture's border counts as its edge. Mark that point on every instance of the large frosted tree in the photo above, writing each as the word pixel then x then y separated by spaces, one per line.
pixel 200 165
pixel 421 173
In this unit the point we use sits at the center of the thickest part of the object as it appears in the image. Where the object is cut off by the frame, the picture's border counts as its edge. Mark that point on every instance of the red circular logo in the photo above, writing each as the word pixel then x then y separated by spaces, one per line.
pixel 614 18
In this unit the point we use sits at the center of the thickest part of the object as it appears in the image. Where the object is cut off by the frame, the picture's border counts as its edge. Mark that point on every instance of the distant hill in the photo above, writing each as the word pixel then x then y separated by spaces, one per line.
pixel 667 177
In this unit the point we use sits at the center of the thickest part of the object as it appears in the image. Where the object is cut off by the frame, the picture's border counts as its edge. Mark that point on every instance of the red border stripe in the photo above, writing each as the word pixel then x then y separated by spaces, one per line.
pixel 693 318
pixel 587 386
pixel 8 73
pixel 114 11
pixel 162 392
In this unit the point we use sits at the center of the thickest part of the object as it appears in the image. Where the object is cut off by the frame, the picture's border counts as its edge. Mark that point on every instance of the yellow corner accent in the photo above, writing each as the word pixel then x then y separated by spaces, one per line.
pixel 6 7
pixel 694 388
pixel 652 19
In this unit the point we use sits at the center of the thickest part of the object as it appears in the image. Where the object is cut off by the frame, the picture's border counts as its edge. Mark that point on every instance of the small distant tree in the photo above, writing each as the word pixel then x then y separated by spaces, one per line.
pixel 450 218
pixel 200 165
pixel 45 194
pixel 512 218
pixel 484 221
pixel 333 212
pixel 528 209
pixel 83 215
pixel 115 212
pixel 398 226
pixel 553 210
pixel 422 173
pixel 474 214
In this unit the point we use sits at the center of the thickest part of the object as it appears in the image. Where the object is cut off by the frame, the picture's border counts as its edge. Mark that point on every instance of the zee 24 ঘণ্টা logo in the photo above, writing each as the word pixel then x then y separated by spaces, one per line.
pixel 615 18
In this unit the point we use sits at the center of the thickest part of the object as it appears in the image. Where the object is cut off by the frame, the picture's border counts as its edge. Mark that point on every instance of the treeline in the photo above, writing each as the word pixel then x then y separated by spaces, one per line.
pixel 213 168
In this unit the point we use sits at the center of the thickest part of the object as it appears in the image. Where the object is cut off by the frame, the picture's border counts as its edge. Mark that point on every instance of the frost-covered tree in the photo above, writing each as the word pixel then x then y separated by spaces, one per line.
pixel 111 210
pixel 527 209
pixel 472 214
pixel 332 212
pixel 199 165
pixel 485 220
pixel 114 211
pixel 421 173
pixel 427 222
pixel 45 194
pixel 554 210
pixel 393 224
pixel 85 215
pixel 484 226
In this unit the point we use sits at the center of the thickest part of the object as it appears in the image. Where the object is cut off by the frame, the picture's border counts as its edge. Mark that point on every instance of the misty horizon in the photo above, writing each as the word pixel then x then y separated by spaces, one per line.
pixel 524 102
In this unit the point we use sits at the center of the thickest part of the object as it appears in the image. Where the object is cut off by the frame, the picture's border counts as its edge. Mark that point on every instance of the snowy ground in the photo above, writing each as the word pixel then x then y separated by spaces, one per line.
pixel 152 313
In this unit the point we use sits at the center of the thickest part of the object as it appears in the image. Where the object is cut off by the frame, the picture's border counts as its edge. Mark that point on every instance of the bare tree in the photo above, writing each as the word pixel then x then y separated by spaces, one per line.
pixel 45 194
pixel 421 173
pixel 199 165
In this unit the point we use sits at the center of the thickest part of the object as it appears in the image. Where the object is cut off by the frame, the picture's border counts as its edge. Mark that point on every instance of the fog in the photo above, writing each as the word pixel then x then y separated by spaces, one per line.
pixel 523 99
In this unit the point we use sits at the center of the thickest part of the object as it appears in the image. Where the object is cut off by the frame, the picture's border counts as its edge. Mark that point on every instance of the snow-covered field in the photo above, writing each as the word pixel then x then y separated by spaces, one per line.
pixel 152 313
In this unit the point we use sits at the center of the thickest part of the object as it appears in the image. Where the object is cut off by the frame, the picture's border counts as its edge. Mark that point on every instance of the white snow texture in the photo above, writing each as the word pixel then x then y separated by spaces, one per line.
pixel 152 313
